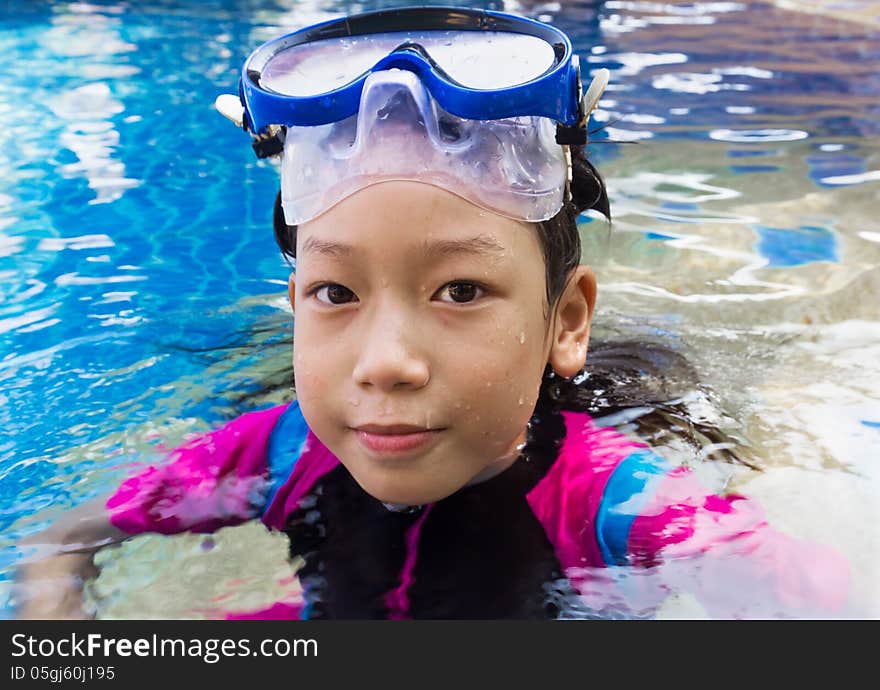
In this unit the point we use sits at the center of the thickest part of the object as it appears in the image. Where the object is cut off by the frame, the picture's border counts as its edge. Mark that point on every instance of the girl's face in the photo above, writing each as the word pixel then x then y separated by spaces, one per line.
pixel 420 338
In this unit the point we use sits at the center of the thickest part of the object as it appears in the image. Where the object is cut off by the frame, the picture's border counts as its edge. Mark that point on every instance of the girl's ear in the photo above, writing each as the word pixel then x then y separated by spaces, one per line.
pixel 571 323
pixel 291 290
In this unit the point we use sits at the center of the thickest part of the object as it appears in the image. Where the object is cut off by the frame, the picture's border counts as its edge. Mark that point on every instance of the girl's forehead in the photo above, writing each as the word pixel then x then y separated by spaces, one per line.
pixel 412 216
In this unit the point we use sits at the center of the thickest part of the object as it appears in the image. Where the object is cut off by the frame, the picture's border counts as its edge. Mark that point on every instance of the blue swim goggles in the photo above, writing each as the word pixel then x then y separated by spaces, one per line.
pixel 476 64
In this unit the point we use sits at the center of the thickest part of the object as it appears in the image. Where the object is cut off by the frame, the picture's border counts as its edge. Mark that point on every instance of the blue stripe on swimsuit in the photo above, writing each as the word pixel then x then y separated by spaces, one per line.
pixel 286 444
pixel 627 492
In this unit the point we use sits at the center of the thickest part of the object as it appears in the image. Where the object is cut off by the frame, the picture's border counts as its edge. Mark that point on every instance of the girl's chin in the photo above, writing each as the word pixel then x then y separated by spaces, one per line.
pixel 408 496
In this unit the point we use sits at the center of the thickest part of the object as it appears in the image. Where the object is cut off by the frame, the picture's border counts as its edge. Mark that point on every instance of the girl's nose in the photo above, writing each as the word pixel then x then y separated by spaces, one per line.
pixel 388 360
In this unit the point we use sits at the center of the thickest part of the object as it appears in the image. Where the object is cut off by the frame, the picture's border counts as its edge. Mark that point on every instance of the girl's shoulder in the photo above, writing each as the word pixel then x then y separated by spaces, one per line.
pixel 296 460
pixel 214 480
pixel 597 485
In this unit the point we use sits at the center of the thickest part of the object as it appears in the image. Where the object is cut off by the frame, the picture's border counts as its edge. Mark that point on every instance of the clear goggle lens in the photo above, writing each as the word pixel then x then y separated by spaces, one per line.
pixel 481 60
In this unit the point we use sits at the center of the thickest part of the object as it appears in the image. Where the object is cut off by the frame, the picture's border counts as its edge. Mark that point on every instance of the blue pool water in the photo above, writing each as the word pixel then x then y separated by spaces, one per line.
pixel 739 141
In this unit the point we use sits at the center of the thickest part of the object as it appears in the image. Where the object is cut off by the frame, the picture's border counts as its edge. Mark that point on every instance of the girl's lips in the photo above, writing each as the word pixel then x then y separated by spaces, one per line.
pixel 398 441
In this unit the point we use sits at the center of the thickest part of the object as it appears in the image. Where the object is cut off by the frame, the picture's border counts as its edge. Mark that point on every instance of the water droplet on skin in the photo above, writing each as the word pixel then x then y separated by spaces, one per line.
pixel 354 403
pixel 520 402
pixel 522 338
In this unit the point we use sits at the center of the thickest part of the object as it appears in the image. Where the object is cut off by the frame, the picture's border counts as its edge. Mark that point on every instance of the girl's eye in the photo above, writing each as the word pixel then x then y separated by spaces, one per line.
pixel 334 294
pixel 460 292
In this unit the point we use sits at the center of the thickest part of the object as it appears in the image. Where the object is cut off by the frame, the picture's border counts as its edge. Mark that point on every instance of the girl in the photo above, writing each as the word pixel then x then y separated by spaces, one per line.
pixel 439 460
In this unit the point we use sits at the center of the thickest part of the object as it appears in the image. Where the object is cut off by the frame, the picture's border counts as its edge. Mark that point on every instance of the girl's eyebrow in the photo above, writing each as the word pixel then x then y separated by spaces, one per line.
pixel 479 244
pixel 336 250
pixel 433 249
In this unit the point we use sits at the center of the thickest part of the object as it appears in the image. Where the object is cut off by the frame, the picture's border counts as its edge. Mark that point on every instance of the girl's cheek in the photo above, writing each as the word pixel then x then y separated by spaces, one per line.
pixel 307 372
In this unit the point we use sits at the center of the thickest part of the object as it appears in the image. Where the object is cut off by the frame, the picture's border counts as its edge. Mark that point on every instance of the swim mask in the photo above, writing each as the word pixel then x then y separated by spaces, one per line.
pixel 480 103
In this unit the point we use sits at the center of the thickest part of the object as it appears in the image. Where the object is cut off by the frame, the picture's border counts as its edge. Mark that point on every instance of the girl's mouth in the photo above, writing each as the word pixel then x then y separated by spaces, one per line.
pixel 394 438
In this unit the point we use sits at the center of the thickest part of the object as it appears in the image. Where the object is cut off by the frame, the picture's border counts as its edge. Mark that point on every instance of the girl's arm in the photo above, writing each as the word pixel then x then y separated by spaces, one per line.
pixel 57 562
pixel 217 480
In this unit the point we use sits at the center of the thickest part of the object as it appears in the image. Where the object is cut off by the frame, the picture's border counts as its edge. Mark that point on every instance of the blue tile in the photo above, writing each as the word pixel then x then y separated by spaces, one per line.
pixel 796 246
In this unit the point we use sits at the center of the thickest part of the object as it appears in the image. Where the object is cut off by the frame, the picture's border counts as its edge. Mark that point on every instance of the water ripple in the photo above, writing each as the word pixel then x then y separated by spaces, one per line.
pixel 870 176
pixel 760 136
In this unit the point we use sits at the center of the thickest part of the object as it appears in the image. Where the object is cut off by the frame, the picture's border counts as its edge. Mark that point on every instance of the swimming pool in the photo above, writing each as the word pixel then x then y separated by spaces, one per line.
pixel 741 152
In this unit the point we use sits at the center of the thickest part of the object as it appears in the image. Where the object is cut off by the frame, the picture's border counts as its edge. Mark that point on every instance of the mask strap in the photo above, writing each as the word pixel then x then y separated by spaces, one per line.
pixel 593 94
pixel 577 134
pixel 230 107
pixel 566 150
pixel 265 145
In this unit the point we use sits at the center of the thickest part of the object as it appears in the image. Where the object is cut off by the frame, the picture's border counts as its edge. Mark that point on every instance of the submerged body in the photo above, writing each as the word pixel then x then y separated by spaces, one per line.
pixel 531 542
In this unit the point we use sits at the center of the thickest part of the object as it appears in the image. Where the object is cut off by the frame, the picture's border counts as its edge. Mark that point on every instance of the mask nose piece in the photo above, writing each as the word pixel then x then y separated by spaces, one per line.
pixel 400 107
pixel 395 99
